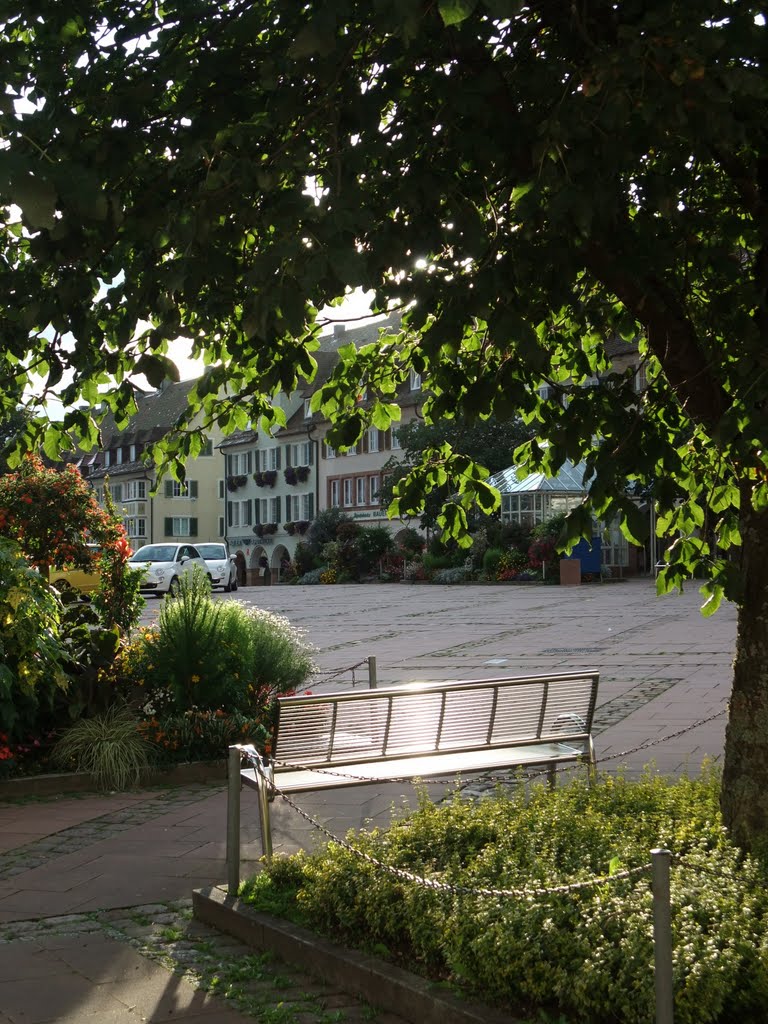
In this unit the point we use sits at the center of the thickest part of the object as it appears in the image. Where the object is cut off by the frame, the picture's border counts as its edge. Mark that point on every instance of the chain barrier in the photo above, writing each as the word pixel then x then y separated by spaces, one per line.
pixel 335 673
pixel 433 883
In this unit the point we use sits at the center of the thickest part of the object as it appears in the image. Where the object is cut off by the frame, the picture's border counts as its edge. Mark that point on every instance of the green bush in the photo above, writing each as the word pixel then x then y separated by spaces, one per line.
pixel 491 561
pixel 434 563
pixel 209 654
pixel 457 574
pixel 32 658
pixel 201 735
pixel 586 954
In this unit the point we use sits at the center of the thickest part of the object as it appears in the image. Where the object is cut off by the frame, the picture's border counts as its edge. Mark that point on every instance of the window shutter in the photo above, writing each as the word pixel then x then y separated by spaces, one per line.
pixel 193 488
pixel 247 513
pixel 193 526
pixel 310 453
pixel 229 513
pixel 278 503
pixel 277 456
pixel 169 489
pixel 387 439
pixel 168 526
pixel 250 462
pixel 311 509
pixel 363 444
pixel 288 459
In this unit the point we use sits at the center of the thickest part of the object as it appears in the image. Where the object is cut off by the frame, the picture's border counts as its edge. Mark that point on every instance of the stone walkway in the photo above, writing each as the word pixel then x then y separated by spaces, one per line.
pixel 95 890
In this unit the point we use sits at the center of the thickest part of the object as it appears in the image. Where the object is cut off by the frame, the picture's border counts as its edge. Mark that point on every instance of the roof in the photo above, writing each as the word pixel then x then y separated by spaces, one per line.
pixel 569 480
pixel 157 415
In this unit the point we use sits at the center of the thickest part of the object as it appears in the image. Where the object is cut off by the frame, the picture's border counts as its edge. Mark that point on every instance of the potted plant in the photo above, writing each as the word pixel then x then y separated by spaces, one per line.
pixel 302 474
pixel 259 529
pixel 270 528
pixel 258 479
pixel 302 525
pixel 290 475
pixel 290 528
pixel 269 478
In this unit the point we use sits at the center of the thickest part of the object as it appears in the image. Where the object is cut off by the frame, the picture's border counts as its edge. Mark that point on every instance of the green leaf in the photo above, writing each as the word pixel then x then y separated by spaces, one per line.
pixel 37 198
pixel 614 865
pixel 453 12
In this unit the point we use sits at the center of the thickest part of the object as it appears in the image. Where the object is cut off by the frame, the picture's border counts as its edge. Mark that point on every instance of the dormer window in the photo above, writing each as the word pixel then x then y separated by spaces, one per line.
pixel 307 409
pixel 415 381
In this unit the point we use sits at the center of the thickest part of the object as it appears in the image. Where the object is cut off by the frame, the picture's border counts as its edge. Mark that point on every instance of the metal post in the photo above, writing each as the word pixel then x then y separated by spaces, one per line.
pixel 372 680
pixel 263 773
pixel 662 937
pixel 233 821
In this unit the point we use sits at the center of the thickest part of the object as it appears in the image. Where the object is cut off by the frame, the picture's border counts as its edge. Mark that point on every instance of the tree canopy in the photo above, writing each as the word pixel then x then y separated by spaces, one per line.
pixel 522 181
pixel 489 442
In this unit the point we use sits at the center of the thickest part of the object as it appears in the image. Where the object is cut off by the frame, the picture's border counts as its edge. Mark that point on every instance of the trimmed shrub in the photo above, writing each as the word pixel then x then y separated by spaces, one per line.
pixel 586 953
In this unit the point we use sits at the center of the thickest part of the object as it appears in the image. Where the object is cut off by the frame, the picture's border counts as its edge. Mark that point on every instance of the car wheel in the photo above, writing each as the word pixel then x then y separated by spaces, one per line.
pixel 234 582
pixel 174 587
pixel 228 587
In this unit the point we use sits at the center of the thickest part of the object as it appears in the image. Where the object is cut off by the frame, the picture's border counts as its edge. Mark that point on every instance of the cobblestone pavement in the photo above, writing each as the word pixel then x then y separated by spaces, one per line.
pixel 257 986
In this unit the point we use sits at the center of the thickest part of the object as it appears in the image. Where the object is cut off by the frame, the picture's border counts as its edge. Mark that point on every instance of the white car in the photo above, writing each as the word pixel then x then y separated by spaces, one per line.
pixel 221 565
pixel 164 564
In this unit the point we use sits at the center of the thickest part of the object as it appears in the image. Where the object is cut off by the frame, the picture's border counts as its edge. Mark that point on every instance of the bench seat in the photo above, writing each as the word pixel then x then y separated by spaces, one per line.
pixel 361 773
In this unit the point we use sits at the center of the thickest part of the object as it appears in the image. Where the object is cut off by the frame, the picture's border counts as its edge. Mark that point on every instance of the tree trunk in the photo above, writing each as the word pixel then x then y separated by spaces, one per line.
pixel 744 798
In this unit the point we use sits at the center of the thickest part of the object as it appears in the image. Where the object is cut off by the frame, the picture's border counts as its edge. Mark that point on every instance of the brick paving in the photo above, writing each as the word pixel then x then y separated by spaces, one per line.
pixel 95 890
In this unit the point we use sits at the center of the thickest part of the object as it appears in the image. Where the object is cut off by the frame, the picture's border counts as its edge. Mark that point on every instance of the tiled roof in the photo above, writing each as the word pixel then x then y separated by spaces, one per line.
pixel 157 414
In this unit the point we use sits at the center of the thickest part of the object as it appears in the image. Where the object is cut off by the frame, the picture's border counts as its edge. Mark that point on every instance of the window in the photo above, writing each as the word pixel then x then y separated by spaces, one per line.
pixel 132 453
pixel 135 527
pixel 374 484
pixel 330 453
pixel 300 454
pixel 207 450
pixel 307 506
pixel 373 439
pixel 116 490
pixel 415 381
pixel 240 463
pixel 334 500
pixel 135 490
pixel 641 378
pixel 180 526
pixel 396 446
pixel 234 513
pixel 176 489
pixel 348 491
pixel 274 510
pixel 222 493
pixel 307 408
pixel 221 526
pixel 360 488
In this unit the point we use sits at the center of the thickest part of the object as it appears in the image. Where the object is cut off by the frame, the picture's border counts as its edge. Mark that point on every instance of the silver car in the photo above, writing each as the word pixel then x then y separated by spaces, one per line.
pixel 221 565
pixel 165 564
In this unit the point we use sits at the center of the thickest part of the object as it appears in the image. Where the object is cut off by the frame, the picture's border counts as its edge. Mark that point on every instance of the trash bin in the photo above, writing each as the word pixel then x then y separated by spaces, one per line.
pixel 570 572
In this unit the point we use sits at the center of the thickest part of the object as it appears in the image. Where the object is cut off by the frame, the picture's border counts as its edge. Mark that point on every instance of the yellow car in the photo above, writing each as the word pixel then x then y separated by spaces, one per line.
pixel 84 581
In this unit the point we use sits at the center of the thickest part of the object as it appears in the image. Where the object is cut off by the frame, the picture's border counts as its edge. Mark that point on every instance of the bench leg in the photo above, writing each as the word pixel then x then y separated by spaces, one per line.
pixel 233 821
pixel 264 821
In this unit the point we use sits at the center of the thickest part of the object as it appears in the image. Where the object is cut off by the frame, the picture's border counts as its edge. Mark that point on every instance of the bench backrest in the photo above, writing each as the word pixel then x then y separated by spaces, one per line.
pixel 373 725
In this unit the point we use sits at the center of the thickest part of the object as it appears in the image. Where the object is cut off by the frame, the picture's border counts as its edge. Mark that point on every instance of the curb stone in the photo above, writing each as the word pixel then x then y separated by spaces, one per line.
pixel 381 984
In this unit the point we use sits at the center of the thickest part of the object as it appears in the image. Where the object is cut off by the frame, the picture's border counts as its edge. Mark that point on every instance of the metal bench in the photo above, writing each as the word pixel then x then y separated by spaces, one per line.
pixel 415 731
